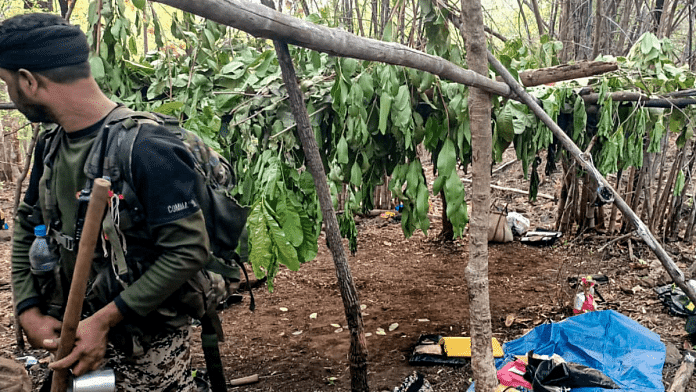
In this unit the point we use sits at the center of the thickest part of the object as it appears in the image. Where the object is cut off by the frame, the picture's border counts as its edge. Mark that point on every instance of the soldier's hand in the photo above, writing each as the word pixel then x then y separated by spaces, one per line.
pixel 40 328
pixel 90 342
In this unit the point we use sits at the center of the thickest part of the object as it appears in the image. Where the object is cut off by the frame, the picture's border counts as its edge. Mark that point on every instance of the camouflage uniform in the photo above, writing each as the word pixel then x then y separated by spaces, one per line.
pixel 169 351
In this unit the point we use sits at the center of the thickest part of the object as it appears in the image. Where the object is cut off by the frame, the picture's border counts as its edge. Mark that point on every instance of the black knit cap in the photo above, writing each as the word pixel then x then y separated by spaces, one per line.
pixel 37 42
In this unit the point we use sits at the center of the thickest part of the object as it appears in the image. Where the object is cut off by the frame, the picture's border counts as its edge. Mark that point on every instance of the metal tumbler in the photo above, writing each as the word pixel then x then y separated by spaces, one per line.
pixel 103 380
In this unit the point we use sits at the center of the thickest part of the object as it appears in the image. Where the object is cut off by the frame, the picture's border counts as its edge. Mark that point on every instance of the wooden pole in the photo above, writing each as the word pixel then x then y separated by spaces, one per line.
pixel 642 230
pixel 357 356
pixel 83 265
pixel 476 271
pixel 581 69
pixel 641 100
pixel 681 379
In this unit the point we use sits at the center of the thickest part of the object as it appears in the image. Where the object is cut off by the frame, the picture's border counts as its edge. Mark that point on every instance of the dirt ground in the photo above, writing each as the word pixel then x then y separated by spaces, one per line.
pixel 297 339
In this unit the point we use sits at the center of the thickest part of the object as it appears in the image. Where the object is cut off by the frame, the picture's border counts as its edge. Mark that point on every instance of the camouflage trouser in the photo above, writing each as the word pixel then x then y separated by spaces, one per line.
pixel 164 366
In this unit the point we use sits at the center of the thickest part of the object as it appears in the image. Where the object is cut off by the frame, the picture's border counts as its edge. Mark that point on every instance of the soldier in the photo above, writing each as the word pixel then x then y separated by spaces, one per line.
pixel 135 327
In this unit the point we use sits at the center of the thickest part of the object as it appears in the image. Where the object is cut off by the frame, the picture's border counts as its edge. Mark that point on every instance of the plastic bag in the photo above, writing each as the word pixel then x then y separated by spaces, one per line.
pixel 556 375
pixel 518 223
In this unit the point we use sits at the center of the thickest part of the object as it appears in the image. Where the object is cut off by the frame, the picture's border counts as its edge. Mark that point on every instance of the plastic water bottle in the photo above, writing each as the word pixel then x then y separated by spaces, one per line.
pixel 41 258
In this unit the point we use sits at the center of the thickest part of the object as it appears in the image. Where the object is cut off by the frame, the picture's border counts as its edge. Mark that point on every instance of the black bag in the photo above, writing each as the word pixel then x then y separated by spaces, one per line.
pixel 551 375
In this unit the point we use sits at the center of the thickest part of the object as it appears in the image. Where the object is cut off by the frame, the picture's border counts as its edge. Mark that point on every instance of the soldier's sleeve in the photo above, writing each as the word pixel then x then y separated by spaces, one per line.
pixel 185 242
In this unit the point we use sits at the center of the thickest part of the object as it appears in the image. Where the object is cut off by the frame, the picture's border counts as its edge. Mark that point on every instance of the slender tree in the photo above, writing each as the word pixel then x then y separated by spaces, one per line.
pixel 481 142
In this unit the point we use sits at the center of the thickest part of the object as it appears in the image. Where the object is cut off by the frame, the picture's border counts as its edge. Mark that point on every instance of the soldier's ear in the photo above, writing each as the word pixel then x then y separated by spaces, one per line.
pixel 27 82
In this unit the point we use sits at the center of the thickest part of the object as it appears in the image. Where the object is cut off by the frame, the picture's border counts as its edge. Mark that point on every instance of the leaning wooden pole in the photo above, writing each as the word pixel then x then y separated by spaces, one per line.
pixel 642 230
pixel 351 302
pixel 83 265
pixel 261 21
pixel 681 379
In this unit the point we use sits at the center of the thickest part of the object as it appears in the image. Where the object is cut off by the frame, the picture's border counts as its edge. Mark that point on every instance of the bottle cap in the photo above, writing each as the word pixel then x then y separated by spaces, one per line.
pixel 40 231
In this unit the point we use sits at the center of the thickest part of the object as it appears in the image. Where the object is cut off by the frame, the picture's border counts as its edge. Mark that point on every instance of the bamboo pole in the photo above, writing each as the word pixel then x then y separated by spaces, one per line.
pixel 642 230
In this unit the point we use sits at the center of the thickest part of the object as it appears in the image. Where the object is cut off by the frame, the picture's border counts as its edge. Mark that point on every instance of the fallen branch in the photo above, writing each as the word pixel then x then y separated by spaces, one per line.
pixel 521 191
pixel 615 240
pixel 582 69
pixel 643 232
pixel 681 379
pixel 254 378
pixel 503 166
pixel 641 99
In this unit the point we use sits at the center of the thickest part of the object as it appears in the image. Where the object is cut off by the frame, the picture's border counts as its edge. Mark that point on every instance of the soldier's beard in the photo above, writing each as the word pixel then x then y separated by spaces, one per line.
pixel 33 112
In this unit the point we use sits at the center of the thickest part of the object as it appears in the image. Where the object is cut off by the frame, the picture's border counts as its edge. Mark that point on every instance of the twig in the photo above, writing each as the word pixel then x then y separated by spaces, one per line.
pixel 617 239
pixel 16 130
pixel 521 191
pixel 71 7
pixel 293 125
pixel 503 166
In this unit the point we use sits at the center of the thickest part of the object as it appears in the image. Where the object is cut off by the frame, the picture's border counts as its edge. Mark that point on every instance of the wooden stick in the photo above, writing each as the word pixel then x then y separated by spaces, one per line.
pixel 681 379
pixel 641 100
pixel 521 191
pixel 83 265
pixel 581 69
pixel 244 380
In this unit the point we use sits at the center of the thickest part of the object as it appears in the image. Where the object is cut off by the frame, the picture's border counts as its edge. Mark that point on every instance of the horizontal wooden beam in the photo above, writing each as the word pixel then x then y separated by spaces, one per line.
pixel 582 69
pixel 261 21
pixel 641 100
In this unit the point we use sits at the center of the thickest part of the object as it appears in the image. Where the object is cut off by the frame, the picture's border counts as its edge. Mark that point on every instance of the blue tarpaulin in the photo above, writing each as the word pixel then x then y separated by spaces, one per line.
pixel 608 341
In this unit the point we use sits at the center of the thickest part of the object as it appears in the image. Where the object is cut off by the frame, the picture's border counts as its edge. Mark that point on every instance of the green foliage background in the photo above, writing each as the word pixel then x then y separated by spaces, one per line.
pixel 368 118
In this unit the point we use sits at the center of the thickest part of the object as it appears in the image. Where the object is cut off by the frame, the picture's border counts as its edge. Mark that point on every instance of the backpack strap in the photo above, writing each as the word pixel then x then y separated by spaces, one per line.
pixel 49 213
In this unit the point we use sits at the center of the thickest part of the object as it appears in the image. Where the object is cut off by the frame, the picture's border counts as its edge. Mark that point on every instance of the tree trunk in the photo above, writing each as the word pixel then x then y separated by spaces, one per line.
pixel 657 15
pixel 351 302
pixel 374 30
pixel 384 17
pixel 524 19
pixel 552 19
pixel 347 6
pixel 481 140
pixel 63 7
pixel 691 59
pixel 97 26
pixel 624 18
pixel 537 15
pixel 447 233
pixel 612 216
pixel 597 28
pixel 145 43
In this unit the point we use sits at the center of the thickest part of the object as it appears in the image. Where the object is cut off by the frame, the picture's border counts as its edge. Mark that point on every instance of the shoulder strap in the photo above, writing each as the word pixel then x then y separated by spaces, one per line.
pixel 110 140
